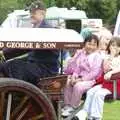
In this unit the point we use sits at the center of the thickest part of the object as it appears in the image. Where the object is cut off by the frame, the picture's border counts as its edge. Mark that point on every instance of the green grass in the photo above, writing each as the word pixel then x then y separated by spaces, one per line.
pixel 112 110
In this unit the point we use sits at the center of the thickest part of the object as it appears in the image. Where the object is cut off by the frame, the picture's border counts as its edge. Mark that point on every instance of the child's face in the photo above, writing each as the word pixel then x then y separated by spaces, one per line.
pixel 103 45
pixel 114 49
pixel 91 46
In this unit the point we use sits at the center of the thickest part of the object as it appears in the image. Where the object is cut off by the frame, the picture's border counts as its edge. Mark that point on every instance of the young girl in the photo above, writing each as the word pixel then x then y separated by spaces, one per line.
pixel 95 96
pixel 105 37
pixel 84 68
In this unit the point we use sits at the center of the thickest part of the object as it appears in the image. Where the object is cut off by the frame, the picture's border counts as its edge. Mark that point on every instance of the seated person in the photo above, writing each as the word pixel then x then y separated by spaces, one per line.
pixel 95 96
pixel 104 41
pixel 84 68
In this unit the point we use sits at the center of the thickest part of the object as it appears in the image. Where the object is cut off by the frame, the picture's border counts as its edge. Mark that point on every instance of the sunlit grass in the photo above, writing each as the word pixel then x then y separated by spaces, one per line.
pixel 112 110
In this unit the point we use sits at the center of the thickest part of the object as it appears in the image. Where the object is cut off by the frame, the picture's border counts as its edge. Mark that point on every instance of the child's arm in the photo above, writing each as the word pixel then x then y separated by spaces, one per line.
pixel 95 69
pixel 106 64
pixel 108 75
pixel 115 68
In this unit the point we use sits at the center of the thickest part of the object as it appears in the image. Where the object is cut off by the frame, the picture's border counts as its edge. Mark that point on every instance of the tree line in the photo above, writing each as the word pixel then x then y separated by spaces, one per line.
pixel 104 9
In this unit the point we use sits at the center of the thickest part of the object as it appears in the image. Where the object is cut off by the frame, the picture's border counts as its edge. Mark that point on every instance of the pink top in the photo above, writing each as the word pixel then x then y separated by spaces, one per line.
pixel 89 67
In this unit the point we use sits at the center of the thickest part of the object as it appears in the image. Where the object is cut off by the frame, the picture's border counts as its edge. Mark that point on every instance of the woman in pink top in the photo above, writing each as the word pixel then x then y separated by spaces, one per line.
pixel 84 68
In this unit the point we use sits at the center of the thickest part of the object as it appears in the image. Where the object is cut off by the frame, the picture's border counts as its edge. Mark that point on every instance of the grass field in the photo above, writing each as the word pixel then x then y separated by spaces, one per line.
pixel 112 110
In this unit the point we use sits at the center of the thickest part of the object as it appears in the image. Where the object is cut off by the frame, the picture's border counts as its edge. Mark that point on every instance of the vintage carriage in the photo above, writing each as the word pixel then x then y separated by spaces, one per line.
pixel 20 100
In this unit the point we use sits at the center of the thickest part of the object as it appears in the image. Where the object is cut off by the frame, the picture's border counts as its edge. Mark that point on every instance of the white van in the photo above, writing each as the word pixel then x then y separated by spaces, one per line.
pixel 60 17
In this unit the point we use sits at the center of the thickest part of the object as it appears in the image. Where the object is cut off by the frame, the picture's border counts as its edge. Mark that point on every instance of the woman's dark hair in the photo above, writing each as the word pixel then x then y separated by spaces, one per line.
pixel 113 40
pixel 90 38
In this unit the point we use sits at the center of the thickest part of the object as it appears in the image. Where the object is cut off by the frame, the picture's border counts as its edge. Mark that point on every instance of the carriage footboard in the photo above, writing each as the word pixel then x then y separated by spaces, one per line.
pixel 52 86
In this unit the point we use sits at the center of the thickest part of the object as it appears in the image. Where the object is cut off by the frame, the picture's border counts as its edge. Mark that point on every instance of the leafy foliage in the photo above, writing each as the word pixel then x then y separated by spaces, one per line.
pixel 105 9
pixel 6 6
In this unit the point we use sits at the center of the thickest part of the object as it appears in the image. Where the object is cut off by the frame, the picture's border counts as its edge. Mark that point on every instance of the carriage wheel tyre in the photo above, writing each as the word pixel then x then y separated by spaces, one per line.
pixel 20 100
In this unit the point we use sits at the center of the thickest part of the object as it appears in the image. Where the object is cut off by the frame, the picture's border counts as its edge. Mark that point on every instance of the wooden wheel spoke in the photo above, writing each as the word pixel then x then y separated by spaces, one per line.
pixel 23 112
pixel 2 104
pixel 9 106
pixel 37 117
pixel 20 106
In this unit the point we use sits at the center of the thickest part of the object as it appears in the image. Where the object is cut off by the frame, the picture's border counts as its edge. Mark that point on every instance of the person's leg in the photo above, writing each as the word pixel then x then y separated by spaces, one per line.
pixel 72 96
pixel 82 114
pixel 68 93
pixel 67 109
pixel 78 90
pixel 90 97
pixel 98 103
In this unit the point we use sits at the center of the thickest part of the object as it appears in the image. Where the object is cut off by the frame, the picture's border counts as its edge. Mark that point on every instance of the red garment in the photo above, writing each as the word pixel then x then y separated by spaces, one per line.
pixel 108 84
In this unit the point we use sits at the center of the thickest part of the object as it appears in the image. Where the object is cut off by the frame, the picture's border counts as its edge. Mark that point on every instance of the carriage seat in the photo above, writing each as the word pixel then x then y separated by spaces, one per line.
pixel 53 86
pixel 114 78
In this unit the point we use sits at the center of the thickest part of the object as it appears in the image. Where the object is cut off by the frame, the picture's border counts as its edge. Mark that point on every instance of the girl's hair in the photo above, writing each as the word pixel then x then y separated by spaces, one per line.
pixel 90 38
pixel 113 40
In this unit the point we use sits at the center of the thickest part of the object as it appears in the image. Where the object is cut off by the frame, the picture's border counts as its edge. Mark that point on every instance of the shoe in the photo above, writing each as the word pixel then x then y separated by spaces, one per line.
pixel 90 119
pixel 97 118
pixel 64 108
pixel 75 118
pixel 65 114
pixel 82 115
pixel 67 108
pixel 93 118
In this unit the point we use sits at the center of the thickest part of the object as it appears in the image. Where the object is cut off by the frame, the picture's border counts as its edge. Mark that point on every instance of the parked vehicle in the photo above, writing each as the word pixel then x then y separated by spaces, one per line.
pixel 57 17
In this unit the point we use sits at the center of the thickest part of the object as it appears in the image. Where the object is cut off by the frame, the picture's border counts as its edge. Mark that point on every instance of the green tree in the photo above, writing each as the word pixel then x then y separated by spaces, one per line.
pixel 118 5
pixel 50 3
pixel 6 6
pixel 104 9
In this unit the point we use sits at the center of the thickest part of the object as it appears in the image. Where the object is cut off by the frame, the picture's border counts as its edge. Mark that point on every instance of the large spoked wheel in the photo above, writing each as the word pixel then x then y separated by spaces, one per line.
pixel 20 100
